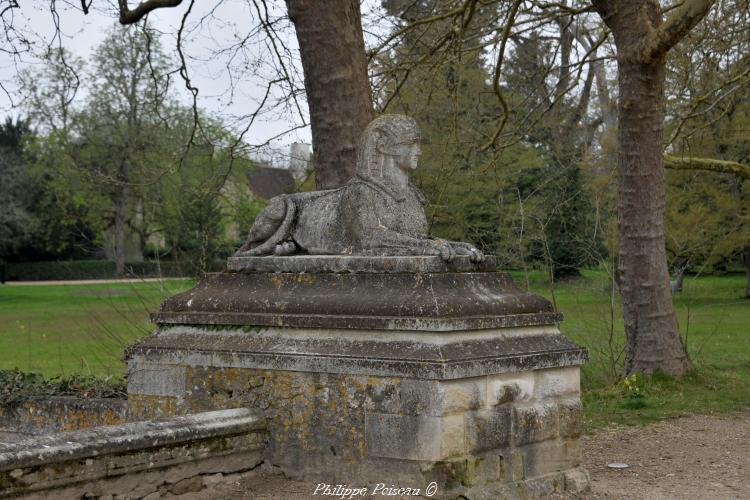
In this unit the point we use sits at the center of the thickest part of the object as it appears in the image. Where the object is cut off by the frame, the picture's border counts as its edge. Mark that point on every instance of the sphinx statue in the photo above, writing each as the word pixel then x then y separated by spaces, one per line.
pixel 378 212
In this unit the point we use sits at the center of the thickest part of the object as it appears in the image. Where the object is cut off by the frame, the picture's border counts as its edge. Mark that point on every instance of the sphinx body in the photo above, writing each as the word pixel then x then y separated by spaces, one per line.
pixel 378 212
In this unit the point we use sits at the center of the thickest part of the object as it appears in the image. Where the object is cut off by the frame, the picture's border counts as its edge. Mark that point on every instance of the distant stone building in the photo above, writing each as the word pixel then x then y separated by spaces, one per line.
pixel 266 181
pixel 272 178
pixel 274 172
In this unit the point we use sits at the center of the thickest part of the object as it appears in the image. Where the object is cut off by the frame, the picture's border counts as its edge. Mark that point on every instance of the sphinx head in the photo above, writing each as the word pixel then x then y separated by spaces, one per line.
pixel 389 137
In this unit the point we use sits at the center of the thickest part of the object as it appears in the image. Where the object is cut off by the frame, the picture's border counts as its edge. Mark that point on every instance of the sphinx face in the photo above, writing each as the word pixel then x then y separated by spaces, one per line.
pixel 408 157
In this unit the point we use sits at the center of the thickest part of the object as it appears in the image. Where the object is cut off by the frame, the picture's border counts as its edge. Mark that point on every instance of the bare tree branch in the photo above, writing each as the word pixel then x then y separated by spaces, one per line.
pixel 675 27
pixel 128 16
pixel 459 11
pixel 498 70
pixel 12 4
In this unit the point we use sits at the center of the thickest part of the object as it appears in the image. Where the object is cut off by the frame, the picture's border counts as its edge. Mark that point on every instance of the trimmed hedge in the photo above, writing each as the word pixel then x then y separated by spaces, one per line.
pixel 65 270
pixel 96 269
pixel 17 386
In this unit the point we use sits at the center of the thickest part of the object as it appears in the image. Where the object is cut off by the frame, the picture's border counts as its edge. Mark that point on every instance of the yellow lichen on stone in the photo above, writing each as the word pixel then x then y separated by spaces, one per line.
pixel 276 280
pixel 304 278
pixel 149 406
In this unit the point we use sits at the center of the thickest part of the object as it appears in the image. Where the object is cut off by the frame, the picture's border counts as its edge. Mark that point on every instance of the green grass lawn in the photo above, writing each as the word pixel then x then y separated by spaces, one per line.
pixel 713 315
pixel 66 329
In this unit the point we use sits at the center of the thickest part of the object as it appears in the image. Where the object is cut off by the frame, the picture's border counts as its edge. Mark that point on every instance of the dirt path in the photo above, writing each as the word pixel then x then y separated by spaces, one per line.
pixel 691 457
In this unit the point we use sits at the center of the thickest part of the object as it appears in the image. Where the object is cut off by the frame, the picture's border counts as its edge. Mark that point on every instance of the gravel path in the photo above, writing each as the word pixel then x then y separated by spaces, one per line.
pixel 691 457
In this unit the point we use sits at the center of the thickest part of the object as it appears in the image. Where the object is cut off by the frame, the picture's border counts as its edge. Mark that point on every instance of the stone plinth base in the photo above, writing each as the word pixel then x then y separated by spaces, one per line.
pixel 403 371
pixel 480 413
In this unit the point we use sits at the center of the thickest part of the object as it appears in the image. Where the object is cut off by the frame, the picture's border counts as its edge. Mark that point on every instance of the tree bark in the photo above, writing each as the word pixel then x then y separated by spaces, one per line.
pixel 653 339
pixel 332 50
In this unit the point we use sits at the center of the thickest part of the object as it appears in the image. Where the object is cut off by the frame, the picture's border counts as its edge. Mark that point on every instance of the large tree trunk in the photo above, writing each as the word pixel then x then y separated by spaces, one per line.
pixel 332 49
pixel 653 339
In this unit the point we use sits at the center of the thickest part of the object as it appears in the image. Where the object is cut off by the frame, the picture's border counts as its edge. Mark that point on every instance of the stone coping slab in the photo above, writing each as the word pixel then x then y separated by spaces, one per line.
pixel 449 301
pixel 358 264
pixel 48 414
pixel 443 356
pixel 109 439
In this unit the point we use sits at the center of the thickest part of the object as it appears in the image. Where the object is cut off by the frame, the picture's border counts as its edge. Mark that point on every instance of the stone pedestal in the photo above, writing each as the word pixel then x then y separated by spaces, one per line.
pixel 401 371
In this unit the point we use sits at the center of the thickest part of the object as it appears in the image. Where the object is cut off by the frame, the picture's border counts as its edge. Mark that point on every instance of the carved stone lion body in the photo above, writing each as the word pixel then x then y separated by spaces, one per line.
pixel 378 212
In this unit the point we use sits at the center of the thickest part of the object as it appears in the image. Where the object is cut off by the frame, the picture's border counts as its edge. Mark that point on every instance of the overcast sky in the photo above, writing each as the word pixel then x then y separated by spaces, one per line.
pixel 81 33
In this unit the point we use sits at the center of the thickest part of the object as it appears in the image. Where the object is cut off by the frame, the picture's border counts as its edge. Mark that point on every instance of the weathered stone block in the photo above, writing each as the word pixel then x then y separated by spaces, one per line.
pixel 510 387
pixel 437 398
pixel 43 415
pixel 142 406
pixel 555 382
pixel 452 474
pixel 488 429
pixel 571 418
pixel 540 487
pixel 495 466
pixel 535 422
pixel 555 455
pixel 414 437
pixel 156 379
pixel 488 465
pixel 383 394
pixel 515 459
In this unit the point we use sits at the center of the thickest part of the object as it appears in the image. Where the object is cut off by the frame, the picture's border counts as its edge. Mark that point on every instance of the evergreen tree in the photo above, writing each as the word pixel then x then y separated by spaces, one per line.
pixel 15 219
pixel 569 238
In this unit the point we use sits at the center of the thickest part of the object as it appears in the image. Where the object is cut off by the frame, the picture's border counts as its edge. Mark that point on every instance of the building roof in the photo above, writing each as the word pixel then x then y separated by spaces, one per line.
pixel 267 182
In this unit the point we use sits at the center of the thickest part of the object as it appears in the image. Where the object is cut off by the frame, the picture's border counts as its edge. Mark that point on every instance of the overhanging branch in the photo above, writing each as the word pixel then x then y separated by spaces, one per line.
pixel 709 164
pixel 128 16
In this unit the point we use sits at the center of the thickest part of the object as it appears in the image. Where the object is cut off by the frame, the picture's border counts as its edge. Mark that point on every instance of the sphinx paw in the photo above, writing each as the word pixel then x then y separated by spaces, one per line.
pixel 476 255
pixel 286 248
pixel 447 252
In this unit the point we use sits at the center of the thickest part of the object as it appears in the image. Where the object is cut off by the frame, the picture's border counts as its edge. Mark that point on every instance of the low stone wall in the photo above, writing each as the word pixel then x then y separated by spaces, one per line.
pixel 61 413
pixel 134 460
